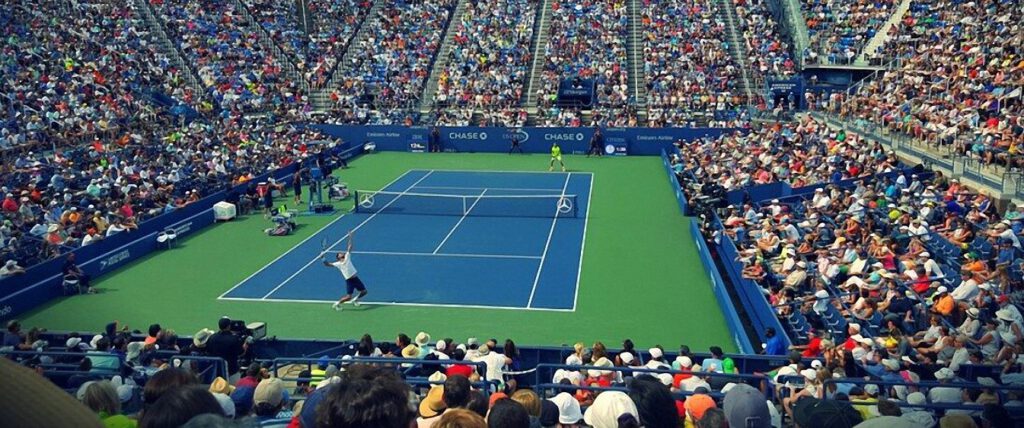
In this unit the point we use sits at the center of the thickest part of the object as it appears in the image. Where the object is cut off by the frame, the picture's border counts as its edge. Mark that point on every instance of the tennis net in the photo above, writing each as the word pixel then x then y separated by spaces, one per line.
pixel 550 206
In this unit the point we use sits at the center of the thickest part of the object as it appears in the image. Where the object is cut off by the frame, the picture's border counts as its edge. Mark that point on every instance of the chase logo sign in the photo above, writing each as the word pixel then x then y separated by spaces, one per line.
pixel 478 136
pixel 523 135
pixel 114 259
pixel 563 136
pixel 417 147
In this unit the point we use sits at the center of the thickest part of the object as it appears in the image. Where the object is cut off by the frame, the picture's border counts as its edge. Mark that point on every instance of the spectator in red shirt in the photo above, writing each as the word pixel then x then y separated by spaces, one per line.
pixel 459 369
pixel 9 204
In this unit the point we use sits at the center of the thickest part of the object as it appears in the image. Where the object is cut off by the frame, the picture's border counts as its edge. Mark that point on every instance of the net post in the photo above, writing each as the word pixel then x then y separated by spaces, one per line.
pixel 355 206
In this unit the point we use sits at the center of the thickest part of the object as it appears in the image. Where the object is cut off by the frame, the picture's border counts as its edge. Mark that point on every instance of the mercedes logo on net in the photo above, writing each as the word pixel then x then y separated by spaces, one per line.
pixel 564 205
pixel 366 201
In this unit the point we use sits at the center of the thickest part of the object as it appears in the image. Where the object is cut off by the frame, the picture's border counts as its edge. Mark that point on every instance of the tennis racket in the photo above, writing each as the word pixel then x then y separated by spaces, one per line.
pixel 324 245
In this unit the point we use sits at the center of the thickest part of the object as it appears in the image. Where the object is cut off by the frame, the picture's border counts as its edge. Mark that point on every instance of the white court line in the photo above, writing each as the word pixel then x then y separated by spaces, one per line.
pixel 221 297
pixel 505 171
pixel 544 254
pixel 463 218
pixel 482 256
pixel 422 305
pixel 511 189
pixel 343 237
pixel 583 244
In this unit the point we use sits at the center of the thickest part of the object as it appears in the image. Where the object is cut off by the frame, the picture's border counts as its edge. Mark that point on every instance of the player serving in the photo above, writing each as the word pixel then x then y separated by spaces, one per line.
pixel 348 270
pixel 556 155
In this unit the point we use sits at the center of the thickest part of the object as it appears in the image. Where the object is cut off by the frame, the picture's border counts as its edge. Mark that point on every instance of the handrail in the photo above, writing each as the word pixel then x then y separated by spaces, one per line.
pixel 714 375
pixel 219 365
pixel 479 366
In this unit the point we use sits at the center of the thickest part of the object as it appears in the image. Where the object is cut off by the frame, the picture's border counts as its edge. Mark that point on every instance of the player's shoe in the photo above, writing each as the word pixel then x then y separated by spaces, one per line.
pixel 551 168
pixel 355 302
pixel 336 306
pixel 563 169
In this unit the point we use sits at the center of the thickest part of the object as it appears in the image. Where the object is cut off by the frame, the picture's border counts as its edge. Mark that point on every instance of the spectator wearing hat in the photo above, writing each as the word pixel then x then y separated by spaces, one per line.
pixel 811 388
pixel 745 406
pixel 696 406
pixel 433 404
pixel 495 365
pixel 944 394
pixel 268 400
pixel 422 342
pixel 942 303
pixel 1010 335
pixel 569 412
pixel 918 415
pixel 608 407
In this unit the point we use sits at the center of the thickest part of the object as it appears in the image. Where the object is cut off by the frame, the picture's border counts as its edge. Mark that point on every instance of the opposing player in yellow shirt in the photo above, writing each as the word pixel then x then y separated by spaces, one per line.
pixel 556 155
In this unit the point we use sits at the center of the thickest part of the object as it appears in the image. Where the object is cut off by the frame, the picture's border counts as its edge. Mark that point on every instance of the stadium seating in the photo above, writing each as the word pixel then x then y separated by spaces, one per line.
pixel 899 287
pixel 489 62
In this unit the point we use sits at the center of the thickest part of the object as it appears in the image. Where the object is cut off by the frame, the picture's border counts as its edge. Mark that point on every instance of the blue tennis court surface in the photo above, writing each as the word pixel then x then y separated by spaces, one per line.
pixel 507 240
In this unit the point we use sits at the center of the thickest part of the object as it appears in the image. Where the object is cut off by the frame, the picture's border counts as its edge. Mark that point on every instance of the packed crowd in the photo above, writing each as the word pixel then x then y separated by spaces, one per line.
pixel 839 30
pixel 389 68
pixel 227 56
pixel 489 62
pixel 587 41
pixel 689 70
pixel 76 70
pixel 316 44
pixel 154 379
pixel 56 202
pixel 959 85
pixel 801 154
pixel 912 270
pixel 769 54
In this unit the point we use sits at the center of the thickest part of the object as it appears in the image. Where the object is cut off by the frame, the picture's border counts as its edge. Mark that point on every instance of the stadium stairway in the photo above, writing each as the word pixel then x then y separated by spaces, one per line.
pixel 322 98
pixel 638 89
pixel 737 47
pixel 427 101
pixel 883 33
pixel 540 41
pixel 794 18
pixel 169 48
pixel 267 42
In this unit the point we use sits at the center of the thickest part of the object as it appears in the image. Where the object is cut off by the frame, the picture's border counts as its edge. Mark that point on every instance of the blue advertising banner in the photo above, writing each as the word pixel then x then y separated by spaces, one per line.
pixel 623 141
pixel 732 318
pixel 576 93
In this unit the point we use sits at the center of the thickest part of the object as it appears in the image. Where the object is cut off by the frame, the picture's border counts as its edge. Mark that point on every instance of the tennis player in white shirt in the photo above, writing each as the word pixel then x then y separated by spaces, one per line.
pixel 348 270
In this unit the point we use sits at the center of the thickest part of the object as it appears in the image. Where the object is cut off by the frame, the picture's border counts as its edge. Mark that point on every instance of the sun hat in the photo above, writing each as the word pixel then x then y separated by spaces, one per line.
pixel 422 339
pixel 201 337
pixel 221 385
pixel 412 351
pixel 270 391
pixel 568 408
pixel 433 404
pixel 607 408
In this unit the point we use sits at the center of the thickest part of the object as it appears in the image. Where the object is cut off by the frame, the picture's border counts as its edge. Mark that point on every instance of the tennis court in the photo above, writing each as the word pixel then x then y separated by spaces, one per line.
pixel 502 240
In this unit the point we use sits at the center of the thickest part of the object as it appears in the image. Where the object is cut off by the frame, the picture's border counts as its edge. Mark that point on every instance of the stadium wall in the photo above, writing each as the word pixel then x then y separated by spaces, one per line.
pixel 618 141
